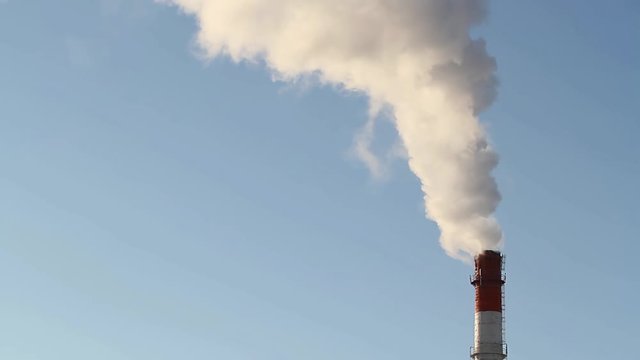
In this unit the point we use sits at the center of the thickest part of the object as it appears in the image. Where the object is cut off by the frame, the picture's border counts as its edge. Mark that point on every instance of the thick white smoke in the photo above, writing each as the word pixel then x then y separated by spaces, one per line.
pixel 415 57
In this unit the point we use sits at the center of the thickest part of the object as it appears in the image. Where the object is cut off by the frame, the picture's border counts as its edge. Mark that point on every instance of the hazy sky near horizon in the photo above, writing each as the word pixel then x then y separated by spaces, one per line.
pixel 157 206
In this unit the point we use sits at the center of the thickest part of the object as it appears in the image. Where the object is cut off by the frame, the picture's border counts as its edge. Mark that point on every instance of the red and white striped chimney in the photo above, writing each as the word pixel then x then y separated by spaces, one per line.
pixel 488 281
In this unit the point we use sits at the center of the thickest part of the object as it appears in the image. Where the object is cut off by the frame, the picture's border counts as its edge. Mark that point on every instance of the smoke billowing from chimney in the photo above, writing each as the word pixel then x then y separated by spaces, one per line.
pixel 415 57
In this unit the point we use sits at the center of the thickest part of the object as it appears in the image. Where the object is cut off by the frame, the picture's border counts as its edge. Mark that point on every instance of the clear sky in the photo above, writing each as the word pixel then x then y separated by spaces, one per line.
pixel 154 206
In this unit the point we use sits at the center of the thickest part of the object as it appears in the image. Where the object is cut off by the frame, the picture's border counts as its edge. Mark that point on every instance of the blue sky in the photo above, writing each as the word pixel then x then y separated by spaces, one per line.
pixel 158 207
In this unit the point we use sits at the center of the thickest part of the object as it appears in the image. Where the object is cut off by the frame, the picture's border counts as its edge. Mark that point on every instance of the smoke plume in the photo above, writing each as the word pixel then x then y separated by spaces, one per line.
pixel 416 57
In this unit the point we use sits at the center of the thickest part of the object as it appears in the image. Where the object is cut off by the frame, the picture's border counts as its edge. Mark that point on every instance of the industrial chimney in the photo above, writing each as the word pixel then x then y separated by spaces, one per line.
pixel 488 281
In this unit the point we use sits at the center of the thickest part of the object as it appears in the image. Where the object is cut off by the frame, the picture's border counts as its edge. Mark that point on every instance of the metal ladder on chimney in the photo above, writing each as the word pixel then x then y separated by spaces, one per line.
pixel 504 278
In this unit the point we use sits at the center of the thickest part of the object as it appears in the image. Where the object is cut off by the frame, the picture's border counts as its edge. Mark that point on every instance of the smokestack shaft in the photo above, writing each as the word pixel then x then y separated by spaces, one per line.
pixel 488 281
